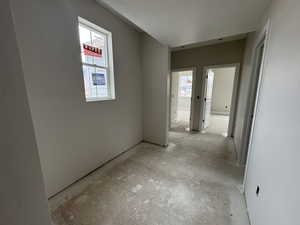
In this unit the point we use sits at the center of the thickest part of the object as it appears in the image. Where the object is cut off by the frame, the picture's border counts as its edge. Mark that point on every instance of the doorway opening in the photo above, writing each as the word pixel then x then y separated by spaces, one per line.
pixel 219 99
pixel 181 100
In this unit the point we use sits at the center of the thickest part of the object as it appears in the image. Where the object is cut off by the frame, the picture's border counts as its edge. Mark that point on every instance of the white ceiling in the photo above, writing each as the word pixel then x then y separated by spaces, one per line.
pixel 182 22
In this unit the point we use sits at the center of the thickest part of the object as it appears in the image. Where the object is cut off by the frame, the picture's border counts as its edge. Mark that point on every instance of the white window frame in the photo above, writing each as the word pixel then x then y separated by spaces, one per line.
pixel 109 53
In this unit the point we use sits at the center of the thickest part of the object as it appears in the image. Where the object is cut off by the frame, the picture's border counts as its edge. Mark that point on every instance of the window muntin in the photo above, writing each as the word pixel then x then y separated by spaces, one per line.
pixel 97 64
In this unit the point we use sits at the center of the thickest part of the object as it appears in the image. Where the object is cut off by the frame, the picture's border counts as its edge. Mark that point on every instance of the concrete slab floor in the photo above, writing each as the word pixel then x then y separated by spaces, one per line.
pixel 192 181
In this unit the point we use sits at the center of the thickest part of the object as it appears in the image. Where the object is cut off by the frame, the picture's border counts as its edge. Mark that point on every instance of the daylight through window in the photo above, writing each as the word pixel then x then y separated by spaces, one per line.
pixel 97 61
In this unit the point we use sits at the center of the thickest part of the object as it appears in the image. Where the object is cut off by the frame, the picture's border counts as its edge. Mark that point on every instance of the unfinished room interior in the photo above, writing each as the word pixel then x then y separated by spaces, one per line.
pixel 150 112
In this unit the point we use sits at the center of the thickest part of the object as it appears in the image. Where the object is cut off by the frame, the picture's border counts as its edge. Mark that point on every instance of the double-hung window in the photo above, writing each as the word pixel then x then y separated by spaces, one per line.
pixel 97 61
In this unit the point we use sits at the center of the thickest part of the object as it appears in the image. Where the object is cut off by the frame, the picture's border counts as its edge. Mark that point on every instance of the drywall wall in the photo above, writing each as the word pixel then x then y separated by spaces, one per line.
pixel 73 136
pixel 243 99
pixel 274 159
pixel 200 57
pixel 22 191
pixel 222 90
pixel 156 73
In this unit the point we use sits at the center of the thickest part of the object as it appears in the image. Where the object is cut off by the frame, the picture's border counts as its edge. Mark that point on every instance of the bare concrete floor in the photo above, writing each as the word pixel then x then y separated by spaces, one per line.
pixel 193 181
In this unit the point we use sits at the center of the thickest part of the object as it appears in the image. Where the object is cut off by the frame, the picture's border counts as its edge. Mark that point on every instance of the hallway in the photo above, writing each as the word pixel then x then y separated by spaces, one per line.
pixel 192 181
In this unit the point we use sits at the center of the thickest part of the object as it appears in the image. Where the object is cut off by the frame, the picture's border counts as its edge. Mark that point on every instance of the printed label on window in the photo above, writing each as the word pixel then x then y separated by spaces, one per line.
pixel 98 79
pixel 92 51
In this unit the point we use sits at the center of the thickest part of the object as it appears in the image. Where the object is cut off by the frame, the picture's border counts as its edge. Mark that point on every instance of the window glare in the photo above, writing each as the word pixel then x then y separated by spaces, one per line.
pixel 85 36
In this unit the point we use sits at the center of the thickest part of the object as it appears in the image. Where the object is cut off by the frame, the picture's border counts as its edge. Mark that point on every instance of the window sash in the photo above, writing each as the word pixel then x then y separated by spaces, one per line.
pixel 106 45
pixel 108 85
pixel 108 59
pixel 95 65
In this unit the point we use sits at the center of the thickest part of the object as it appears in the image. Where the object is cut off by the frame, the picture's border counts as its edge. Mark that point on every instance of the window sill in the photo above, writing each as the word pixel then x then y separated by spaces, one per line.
pixel 99 99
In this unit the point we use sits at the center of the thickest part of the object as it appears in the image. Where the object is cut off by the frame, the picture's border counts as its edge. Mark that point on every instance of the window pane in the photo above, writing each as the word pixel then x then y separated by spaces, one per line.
pixel 85 38
pixel 99 41
pixel 93 46
pixel 95 83
pixel 85 35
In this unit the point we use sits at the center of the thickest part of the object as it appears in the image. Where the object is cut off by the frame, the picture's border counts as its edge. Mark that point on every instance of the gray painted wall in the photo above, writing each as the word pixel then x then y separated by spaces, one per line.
pixel 222 90
pixel 75 137
pixel 218 54
pixel 22 191
pixel 274 160
pixel 156 73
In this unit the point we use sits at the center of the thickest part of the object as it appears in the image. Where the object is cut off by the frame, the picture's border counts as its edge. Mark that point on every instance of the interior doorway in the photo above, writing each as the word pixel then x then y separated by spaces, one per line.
pixel 219 99
pixel 181 100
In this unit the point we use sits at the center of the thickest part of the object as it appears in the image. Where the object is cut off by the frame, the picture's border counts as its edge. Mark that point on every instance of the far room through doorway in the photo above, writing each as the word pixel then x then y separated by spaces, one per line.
pixel 181 100
pixel 218 102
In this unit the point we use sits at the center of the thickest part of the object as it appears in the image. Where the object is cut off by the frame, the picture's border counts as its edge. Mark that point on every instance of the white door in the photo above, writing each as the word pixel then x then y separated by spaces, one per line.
pixel 208 97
